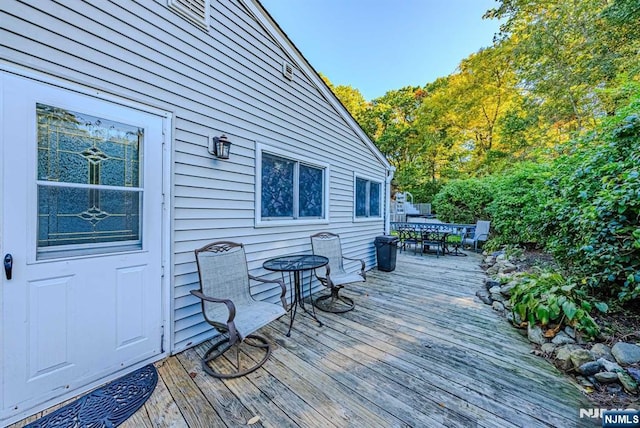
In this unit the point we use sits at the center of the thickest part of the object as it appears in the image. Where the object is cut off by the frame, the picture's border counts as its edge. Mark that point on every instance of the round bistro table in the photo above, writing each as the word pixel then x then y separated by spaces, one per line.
pixel 296 264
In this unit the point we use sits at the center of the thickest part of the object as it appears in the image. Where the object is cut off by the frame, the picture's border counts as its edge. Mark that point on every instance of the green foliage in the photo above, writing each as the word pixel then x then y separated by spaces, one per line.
pixel 464 201
pixel 548 298
pixel 596 207
pixel 518 212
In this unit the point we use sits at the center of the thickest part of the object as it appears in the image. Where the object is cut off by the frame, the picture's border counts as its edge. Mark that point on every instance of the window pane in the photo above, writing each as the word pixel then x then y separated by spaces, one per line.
pixel 361 197
pixel 374 199
pixel 277 186
pixel 87 216
pixel 311 191
pixel 79 148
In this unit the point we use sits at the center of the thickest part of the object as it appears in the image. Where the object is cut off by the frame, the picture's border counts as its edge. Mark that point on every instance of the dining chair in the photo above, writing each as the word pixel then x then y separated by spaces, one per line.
pixel 228 306
pixel 433 238
pixel 333 275
pixel 409 236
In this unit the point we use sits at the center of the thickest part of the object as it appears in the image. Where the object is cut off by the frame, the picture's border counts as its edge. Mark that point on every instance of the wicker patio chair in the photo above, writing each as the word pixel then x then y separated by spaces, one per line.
pixel 334 276
pixel 228 306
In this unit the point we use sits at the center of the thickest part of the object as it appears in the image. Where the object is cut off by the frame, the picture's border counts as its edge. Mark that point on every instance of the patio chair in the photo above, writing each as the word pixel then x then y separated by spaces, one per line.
pixel 409 236
pixel 228 306
pixel 334 277
pixel 480 234
pixel 433 239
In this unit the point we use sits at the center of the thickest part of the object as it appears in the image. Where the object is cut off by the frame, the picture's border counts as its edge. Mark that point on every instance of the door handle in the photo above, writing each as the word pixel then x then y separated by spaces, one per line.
pixel 8 265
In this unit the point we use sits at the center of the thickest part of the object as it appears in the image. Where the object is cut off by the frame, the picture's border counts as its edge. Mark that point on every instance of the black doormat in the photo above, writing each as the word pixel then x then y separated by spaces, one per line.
pixel 107 406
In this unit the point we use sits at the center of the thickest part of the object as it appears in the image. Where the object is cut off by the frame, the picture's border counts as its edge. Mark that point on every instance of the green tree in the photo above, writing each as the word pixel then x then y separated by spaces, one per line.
pixel 350 97
pixel 564 51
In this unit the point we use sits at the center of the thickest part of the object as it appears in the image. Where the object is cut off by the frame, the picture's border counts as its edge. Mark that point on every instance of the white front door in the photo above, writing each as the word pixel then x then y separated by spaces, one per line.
pixel 82 219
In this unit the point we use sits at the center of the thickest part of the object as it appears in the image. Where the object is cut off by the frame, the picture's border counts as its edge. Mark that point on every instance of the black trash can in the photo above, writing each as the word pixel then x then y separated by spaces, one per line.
pixel 386 250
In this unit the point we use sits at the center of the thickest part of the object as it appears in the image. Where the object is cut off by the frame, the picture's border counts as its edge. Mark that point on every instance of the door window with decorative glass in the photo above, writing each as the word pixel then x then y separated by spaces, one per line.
pixel 367 198
pixel 89 183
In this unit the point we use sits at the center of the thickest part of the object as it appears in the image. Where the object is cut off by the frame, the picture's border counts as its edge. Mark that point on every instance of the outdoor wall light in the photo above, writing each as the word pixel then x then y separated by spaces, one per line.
pixel 219 146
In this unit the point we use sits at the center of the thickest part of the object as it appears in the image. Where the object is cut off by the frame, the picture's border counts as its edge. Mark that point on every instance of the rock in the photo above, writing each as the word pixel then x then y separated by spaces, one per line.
pixel 483 295
pixel 614 389
pixel 548 348
pixel 514 318
pixel 507 288
pixel 497 297
pixel 495 289
pixel 609 366
pixel 626 353
pixel 492 270
pixel 507 304
pixel 563 356
pixel 627 382
pixel 570 332
pixel 635 373
pixel 600 350
pixel 562 338
pixel 585 383
pixel 535 335
pixel 580 356
pixel 489 260
pixel 606 377
pixel 508 268
pixel 497 306
pixel 590 368
pixel 500 256
pixel 491 283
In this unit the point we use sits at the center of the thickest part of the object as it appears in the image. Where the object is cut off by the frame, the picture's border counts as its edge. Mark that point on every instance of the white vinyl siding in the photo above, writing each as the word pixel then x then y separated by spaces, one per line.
pixel 227 80
pixel 196 11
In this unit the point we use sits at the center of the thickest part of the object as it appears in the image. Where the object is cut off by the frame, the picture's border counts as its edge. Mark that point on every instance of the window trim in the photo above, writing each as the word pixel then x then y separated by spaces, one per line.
pixel 380 208
pixel 294 157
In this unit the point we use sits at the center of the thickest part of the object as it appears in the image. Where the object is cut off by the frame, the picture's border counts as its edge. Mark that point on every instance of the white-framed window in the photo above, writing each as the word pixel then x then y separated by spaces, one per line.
pixel 90 188
pixel 290 189
pixel 367 198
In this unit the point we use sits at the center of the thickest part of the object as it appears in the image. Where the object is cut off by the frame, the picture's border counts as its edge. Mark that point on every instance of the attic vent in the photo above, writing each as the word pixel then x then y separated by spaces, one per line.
pixel 287 70
pixel 195 11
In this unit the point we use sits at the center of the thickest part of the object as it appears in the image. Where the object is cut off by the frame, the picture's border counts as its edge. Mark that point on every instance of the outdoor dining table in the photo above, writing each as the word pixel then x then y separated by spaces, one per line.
pixel 296 264
pixel 412 232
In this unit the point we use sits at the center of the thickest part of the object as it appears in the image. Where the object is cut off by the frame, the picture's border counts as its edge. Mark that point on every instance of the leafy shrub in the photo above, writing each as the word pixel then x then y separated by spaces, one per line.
pixel 595 231
pixel 518 210
pixel 464 201
pixel 547 298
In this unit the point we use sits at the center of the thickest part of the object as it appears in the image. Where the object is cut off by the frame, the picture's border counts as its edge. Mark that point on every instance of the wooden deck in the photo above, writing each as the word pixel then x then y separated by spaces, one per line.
pixel 418 350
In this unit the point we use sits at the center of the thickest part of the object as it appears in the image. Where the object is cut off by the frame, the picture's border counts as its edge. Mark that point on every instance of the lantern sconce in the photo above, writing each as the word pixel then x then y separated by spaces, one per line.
pixel 220 147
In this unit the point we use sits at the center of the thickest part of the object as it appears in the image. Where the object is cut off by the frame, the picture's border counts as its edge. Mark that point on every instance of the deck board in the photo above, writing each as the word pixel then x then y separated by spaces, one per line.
pixel 418 350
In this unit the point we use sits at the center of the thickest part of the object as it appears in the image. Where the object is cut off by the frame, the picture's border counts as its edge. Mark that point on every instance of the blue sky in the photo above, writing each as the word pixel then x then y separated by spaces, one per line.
pixel 379 45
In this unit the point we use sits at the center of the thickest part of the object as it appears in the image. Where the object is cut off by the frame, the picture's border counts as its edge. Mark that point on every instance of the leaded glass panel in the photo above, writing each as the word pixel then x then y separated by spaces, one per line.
pixel 75 216
pixel 311 195
pixel 79 148
pixel 374 199
pixel 80 159
pixel 361 197
pixel 277 186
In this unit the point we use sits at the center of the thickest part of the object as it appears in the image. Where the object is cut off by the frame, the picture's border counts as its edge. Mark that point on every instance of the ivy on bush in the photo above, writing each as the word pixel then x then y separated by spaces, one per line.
pixel 595 232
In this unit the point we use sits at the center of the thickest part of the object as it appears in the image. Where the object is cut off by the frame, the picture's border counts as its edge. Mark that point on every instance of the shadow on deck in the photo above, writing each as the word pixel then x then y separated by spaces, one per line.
pixel 418 350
